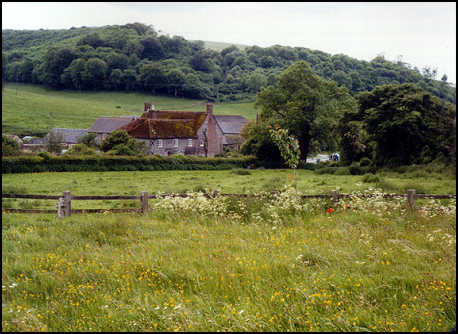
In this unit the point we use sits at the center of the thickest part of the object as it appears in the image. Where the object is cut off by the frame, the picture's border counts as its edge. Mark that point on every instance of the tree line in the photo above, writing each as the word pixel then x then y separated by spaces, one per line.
pixel 392 125
pixel 135 57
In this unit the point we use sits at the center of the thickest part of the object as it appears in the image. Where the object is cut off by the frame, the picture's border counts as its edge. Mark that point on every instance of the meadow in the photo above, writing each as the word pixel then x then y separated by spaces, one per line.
pixel 276 263
pixel 26 108
pixel 224 181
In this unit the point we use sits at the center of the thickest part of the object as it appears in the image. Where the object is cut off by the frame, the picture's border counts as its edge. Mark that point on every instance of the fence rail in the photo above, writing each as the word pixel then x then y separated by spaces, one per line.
pixel 64 209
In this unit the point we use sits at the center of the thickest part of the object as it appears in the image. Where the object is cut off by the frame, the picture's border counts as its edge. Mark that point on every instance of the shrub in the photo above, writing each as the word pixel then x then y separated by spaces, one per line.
pixel 9 146
pixel 308 166
pixel 80 149
pixel 104 162
pixel 88 140
pixel 45 155
pixel 355 169
pixel 121 149
pixel 342 171
pixel 129 146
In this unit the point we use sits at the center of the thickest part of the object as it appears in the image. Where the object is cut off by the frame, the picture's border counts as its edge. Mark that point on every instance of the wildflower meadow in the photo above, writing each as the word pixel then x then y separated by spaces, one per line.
pixel 275 262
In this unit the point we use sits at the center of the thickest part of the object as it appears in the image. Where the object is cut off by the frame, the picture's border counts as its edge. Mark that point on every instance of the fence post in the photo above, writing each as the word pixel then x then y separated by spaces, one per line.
pixel 335 196
pixel 144 202
pixel 411 195
pixel 60 207
pixel 67 203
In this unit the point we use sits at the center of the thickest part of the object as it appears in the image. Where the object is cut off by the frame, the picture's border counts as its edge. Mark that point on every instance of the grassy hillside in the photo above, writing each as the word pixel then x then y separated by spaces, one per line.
pixel 26 108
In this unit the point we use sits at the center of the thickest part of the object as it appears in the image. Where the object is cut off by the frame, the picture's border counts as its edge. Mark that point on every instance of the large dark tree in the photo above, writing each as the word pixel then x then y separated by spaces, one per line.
pixel 54 64
pixel 308 106
pixel 406 124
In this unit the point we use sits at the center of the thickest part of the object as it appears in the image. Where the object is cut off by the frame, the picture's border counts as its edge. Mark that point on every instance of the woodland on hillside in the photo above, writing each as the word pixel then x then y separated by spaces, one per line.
pixel 135 57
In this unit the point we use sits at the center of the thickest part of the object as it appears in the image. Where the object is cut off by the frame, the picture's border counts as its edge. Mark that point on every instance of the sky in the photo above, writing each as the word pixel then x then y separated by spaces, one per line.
pixel 422 34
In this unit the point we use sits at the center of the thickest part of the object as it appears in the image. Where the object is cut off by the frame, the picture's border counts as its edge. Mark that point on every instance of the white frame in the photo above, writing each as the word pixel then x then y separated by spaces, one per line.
pixel 190 142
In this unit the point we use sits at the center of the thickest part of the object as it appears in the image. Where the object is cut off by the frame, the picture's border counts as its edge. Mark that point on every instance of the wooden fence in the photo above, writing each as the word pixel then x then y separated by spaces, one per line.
pixel 64 202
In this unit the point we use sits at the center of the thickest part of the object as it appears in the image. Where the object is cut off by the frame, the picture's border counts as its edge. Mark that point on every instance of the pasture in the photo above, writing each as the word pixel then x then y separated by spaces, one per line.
pixel 26 108
pixel 197 264
pixel 225 181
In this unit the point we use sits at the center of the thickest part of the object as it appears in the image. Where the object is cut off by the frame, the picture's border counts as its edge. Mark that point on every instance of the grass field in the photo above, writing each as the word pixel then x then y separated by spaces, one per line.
pixel 199 266
pixel 226 181
pixel 27 108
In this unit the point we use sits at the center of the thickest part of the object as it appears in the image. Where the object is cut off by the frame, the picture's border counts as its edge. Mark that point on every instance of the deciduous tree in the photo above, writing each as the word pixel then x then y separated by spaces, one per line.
pixel 308 106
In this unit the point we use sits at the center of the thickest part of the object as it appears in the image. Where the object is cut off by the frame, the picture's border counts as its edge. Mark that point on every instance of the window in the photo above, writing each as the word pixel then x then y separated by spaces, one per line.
pixel 175 142
pixel 189 142
pixel 202 143
pixel 160 143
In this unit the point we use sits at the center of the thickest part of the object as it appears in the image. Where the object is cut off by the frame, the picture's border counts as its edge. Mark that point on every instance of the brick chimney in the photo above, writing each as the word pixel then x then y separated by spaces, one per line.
pixel 147 106
pixel 213 140
pixel 209 108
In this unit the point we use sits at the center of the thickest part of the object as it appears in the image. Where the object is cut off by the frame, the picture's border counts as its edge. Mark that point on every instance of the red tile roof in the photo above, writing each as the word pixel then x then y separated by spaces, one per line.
pixel 166 124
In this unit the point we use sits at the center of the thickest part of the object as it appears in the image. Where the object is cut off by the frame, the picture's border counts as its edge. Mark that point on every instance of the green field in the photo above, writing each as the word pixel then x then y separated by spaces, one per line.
pixel 26 108
pixel 273 264
pixel 225 181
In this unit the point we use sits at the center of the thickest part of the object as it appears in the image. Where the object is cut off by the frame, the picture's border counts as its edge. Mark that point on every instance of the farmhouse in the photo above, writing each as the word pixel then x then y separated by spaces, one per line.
pixel 168 132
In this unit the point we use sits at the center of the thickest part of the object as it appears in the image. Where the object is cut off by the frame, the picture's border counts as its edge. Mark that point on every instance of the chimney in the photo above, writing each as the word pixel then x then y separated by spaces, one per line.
pixel 147 106
pixel 209 108
pixel 213 140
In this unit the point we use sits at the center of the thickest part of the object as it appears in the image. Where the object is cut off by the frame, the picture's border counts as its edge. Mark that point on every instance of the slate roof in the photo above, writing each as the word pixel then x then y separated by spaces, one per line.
pixel 230 124
pixel 36 141
pixel 166 124
pixel 69 136
pixel 109 124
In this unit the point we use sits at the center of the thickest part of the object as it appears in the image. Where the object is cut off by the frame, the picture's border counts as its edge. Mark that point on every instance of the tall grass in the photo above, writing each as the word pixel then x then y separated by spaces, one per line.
pixel 339 271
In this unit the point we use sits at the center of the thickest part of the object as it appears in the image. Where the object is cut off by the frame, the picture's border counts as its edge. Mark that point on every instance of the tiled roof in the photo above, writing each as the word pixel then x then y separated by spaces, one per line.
pixel 109 124
pixel 37 141
pixel 166 124
pixel 230 124
pixel 69 136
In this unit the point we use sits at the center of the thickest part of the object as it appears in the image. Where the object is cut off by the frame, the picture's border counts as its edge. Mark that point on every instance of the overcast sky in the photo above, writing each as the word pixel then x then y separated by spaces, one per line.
pixel 421 34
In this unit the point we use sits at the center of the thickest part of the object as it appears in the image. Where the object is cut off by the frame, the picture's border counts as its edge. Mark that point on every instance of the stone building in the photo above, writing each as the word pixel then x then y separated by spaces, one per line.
pixel 168 132
pixel 230 126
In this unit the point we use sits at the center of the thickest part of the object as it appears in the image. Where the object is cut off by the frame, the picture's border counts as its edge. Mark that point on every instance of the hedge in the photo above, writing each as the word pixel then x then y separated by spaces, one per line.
pixel 91 163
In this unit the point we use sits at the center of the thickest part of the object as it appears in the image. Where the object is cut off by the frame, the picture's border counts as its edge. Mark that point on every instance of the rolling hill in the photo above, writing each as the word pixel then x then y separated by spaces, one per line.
pixel 135 58
pixel 26 108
